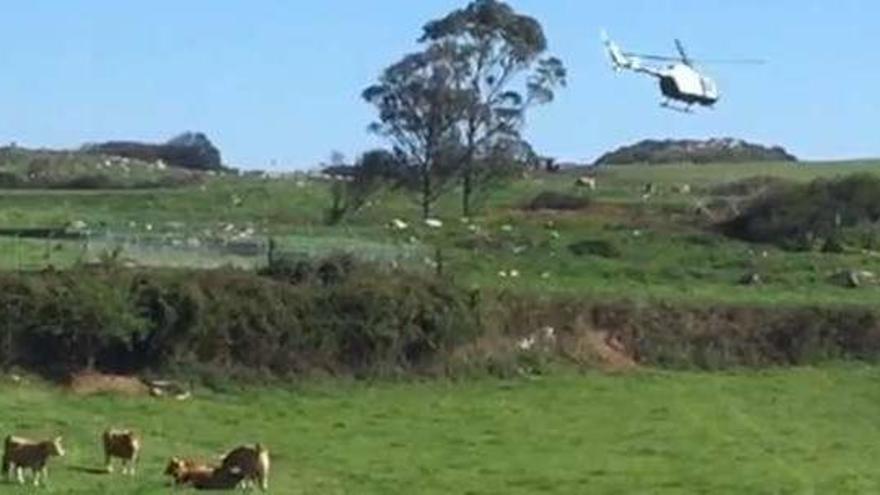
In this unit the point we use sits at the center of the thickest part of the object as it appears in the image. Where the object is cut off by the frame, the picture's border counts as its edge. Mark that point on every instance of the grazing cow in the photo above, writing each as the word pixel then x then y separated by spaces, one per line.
pixel 252 463
pixel 21 453
pixel 201 476
pixel 588 182
pixel 122 444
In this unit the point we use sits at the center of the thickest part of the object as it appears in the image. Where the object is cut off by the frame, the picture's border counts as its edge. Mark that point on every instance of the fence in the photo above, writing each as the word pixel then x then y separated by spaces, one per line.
pixel 29 250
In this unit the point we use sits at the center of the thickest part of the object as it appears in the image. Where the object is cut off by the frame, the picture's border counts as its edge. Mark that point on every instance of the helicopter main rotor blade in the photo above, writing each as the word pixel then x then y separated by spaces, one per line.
pixel 681 51
pixel 737 61
pixel 662 58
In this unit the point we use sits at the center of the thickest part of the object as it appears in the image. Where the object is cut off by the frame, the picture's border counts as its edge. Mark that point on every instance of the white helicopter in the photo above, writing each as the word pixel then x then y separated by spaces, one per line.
pixel 679 81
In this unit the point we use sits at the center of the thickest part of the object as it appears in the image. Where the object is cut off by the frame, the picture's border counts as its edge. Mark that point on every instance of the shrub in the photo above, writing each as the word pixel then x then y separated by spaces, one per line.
pixel 9 180
pixel 340 316
pixel 806 216
pixel 95 181
pixel 554 200
pixel 591 247
pixel 750 186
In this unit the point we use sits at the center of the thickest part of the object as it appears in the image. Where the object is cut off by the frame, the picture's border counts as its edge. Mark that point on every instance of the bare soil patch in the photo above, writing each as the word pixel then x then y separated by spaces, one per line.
pixel 92 382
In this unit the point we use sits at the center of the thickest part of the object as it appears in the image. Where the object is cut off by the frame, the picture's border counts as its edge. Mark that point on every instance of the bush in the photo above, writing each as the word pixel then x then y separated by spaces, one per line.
pixel 334 316
pixel 751 186
pixel 601 248
pixel 806 216
pixel 554 200
pixel 9 180
pixel 94 181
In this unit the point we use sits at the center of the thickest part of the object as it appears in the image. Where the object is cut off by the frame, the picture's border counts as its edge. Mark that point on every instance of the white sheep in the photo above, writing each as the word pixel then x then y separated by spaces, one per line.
pixel 433 223
pixel 398 224
pixel 587 182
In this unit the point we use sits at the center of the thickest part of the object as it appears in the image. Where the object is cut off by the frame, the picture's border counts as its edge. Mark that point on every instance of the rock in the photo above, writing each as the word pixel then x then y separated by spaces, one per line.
pixel 527 343
pixel 751 279
pixel 77 226
pixel 853 279
pixel 682 189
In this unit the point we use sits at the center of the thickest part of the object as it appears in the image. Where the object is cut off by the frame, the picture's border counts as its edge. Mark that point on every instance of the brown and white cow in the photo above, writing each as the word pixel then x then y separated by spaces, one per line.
pixel 181 469
pixel 200 475
pixel 124 445
pixel 21 453
pixel 252 463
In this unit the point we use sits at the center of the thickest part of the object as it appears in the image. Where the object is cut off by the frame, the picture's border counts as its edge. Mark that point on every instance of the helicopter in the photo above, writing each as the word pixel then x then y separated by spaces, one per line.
pixel 680 81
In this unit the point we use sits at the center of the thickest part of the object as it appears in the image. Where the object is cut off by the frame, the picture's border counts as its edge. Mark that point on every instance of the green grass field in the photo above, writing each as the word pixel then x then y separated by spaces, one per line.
pixel 667 251
pixel 794 431
pixel 798 431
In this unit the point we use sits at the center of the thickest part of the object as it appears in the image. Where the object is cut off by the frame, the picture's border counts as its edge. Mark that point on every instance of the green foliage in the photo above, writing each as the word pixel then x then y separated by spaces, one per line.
pixel 375 170
pixel 494 48
pixel 335 315
pixel 67 320
pixel 419 107
pixel 555 200
pixel 807 216
pixel 594 247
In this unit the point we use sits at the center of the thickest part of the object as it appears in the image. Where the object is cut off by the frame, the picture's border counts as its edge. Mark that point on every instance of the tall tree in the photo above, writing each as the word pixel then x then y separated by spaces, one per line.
pixel 420 107
pixel 500 65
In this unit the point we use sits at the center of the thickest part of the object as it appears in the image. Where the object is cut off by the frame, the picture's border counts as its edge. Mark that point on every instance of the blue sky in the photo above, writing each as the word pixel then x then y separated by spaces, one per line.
pixel 280 81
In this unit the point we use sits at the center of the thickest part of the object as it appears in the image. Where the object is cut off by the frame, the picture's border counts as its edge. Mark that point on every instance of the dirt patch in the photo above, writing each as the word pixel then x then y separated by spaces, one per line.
pixel 611 354
pixel 88 383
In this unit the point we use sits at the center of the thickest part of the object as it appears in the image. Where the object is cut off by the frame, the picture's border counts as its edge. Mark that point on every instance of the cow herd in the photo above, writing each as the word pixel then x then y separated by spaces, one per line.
pixel 245 467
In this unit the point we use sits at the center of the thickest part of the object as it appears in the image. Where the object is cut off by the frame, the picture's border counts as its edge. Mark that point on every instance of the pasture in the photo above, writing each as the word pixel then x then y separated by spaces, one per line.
pixel 797 431
pixel 662 248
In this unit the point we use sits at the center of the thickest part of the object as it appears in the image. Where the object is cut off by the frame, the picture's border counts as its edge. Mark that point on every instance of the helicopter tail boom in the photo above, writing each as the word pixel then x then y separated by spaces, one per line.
pixel 619 60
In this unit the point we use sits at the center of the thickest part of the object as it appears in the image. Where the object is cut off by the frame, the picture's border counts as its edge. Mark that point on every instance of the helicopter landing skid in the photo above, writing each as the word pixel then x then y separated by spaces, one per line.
pixel 683 109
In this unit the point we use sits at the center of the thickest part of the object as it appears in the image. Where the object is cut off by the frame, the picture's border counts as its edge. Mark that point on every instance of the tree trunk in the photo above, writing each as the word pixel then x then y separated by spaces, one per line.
pixel 426 192
pixel 467 190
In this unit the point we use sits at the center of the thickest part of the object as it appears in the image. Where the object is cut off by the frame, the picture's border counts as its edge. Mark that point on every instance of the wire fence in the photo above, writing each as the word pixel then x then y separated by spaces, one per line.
pixel 30 251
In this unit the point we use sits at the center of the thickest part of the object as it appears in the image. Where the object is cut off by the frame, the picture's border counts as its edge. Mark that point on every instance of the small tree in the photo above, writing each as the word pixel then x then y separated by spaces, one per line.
pixel 420 106
pixel 373 172
pixel 497 48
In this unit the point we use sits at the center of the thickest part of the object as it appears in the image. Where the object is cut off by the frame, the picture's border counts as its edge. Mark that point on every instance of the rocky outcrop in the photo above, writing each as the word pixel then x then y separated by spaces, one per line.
pixel 726 150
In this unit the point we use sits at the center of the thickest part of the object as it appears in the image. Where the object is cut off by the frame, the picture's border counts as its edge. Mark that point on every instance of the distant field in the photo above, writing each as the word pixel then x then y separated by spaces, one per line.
pixel 664 248
pixel 793 431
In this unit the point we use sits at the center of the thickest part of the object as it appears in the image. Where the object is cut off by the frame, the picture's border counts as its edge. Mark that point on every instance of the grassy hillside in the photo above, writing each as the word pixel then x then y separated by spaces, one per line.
pixel 796 431
pixel 665 246
pixel 22 168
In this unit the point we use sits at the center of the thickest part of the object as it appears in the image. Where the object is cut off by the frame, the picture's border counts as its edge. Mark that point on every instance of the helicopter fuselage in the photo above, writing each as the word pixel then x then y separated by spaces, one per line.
pixel 682 83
